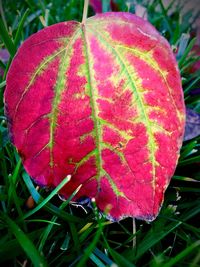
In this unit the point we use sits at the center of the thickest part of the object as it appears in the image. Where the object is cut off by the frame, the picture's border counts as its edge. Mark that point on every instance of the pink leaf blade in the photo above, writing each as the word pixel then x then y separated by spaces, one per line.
pixel 103 102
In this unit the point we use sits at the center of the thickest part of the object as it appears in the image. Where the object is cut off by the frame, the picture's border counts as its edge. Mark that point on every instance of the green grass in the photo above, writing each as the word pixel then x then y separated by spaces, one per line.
pixel 57 233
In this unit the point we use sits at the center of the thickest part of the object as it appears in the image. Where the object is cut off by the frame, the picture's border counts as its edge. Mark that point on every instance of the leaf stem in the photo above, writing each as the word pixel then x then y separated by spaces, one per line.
pixel 85 11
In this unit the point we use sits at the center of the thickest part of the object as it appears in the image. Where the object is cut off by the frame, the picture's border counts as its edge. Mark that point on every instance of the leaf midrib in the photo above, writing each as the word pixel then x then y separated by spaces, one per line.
pixel 97 128
pixel 147 123
pixel 94 115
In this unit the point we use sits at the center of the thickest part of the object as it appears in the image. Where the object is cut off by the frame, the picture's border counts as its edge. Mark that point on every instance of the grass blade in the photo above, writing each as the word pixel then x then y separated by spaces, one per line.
pixel 6 39
pixel 182 254
pixel 49 207
pixel 103 256
pixel 20 27
pixel 119 259
pixel 189 161
pixel 186 150
pixel 25 242
pixel 95 240
pixel 187 51
pixel 46 200
pixel 96 261
pixel 11 249
pixel 2 84
pixel 191 84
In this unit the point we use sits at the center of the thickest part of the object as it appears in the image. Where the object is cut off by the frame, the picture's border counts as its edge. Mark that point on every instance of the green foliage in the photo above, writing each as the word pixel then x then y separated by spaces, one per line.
pixel 56 233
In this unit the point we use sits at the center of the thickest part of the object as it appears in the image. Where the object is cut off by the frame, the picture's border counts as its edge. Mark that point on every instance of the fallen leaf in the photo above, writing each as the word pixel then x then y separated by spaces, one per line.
pixel 101 101
pixel 192 128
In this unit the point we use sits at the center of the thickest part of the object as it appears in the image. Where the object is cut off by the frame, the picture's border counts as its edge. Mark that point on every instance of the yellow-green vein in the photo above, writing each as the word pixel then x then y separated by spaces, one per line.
pixel 141 104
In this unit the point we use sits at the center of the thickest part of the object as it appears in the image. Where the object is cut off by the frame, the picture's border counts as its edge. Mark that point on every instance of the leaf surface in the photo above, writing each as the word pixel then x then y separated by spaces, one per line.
pixel 101 101
pixel 192 128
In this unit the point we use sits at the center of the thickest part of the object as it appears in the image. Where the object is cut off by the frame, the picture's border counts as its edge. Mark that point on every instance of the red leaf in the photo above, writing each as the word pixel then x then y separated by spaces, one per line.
pixel 192 127
pixel 96 5
pixel 102 102
pixel 114 6
pixel 196 66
